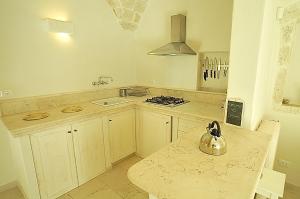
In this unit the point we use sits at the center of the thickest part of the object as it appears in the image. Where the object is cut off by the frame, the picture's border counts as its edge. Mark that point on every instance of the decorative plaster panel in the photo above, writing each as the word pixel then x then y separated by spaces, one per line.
pixel 290 19
pixel 128 12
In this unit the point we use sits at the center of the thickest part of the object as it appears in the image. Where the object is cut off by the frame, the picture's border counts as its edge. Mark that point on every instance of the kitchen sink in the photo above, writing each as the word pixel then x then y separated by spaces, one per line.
pixel 111 101
pixel 36 116
pixel 72 109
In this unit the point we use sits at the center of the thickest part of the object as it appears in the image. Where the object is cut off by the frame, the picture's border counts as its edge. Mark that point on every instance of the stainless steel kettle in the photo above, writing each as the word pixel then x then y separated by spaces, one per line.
pixel 213 142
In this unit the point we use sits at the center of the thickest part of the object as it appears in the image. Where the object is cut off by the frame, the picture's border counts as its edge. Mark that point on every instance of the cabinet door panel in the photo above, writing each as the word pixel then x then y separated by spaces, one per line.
pixel 154 132
pixel 89 149
pixel 54 161
pixel 121 128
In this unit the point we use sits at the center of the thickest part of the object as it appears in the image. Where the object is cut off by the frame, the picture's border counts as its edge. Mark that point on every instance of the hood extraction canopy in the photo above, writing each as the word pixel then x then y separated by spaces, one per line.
pixel 178 37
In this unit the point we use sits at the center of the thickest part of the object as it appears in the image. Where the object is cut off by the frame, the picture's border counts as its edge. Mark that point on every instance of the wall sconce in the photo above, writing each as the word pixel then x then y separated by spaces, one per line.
pixel 62 29
pixel 57 26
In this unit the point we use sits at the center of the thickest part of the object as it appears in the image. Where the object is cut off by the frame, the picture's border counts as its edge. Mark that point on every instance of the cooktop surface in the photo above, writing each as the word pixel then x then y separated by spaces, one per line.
pixel 167 101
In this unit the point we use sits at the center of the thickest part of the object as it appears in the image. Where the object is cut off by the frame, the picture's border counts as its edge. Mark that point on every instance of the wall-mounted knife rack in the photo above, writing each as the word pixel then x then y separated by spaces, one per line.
pixel 214 67
pixel 213 70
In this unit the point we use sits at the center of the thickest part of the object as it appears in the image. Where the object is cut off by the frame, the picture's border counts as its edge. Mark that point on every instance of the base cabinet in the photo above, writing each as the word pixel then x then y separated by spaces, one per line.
pixel 89 149
pixel 154 132
pixel 54 161
pixel 121 131
pixel 68 156
pixel 65 157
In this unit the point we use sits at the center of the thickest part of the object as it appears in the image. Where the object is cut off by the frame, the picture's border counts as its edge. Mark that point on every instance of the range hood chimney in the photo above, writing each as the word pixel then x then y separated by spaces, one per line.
pixel 178 37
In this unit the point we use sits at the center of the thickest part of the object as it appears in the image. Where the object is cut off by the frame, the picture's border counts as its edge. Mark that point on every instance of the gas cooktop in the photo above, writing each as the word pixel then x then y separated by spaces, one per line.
pixel 167 101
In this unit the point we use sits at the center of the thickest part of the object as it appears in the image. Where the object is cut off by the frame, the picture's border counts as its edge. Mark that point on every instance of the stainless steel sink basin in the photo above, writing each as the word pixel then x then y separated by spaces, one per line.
pixel 111 101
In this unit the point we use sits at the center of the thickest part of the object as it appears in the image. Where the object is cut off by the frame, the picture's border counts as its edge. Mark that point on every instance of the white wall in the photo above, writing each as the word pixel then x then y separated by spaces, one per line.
pixel 265 65
pixel 35 62
pixel 255 39
pixel 208 29
pixel 245 54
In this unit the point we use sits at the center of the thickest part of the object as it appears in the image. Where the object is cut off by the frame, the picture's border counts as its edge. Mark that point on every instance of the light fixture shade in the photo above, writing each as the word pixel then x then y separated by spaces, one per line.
pixel 57 26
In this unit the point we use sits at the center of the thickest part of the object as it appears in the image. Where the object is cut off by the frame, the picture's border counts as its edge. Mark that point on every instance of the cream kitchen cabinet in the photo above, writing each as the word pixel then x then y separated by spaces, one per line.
pixel 68 156
pixel 121 132
pixel 154 132
pixel 89 149
pixel 54 160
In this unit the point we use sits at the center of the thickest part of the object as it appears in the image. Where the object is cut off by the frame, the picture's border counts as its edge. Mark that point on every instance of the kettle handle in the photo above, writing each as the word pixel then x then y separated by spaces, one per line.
pixel 215 132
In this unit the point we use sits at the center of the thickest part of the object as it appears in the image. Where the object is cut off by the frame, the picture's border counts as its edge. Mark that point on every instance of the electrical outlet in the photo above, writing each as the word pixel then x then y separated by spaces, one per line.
pixel 284 163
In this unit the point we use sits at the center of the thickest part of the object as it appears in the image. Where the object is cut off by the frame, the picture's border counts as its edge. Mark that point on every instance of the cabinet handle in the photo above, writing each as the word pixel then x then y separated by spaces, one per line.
pixel 110 120
pixel 75 130
pixel 167 122
pixel 69 131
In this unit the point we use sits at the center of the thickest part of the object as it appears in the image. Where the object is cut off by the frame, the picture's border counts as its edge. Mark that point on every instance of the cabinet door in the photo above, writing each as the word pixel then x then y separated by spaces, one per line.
pixel 121 129
pixel 89 149
pixel 54 161
pixel 154 132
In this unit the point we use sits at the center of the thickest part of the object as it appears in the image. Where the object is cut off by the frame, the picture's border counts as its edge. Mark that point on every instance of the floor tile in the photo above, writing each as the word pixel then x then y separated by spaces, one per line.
pixel 128 163
pixel 134 194
pixel 65 197
pixel 13 193
pixel 291 192
pixel 124 190
pixel 87 189
pixel 104 194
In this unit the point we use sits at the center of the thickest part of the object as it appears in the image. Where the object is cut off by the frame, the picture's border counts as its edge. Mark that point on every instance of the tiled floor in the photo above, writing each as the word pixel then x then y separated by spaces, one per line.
pixel 114 184
pixel 291 192
pixel 11 194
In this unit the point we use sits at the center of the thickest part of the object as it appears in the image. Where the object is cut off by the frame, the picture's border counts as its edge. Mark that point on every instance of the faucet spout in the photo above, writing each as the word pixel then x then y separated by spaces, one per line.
pixel 103 80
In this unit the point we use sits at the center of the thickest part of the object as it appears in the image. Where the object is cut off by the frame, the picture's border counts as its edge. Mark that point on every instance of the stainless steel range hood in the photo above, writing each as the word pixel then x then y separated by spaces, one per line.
pixel 178 37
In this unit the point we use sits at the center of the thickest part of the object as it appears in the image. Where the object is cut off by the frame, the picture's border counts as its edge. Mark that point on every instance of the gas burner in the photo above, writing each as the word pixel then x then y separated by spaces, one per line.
pixel 167 101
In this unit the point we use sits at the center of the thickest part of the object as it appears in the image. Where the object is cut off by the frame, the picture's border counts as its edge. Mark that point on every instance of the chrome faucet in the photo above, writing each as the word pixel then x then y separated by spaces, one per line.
pixel 103 80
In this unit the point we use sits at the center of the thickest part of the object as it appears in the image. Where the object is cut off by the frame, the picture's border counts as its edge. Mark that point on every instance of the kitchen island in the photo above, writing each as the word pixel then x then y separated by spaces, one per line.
pixel 182 171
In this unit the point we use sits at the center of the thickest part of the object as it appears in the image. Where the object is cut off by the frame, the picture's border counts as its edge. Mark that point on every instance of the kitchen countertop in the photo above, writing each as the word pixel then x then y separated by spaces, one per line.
pixel 18 127
pixel 181 170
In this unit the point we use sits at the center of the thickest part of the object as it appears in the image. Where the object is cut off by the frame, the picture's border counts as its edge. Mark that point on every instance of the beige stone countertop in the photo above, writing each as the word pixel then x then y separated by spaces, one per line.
pixel 182 171
pixel 18 127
